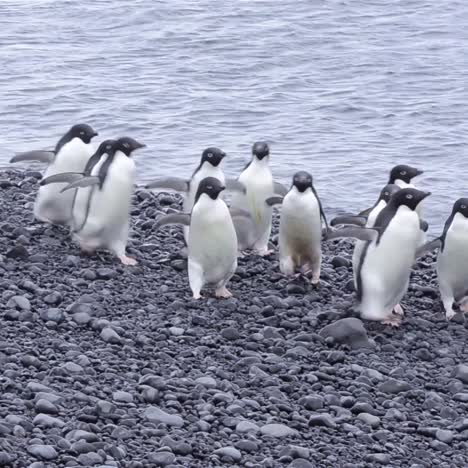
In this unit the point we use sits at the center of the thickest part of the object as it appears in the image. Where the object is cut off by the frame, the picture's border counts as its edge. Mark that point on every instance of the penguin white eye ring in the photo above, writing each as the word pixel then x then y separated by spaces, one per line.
pixel 409 196
pixel 210 155
pixel 463 207
pixel 403 172
pixel 126 145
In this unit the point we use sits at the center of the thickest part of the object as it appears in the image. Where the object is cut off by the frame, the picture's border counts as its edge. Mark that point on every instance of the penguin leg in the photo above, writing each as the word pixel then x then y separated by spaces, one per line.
pixel 464 305
pixel 448 306
pixel 392 320
pixel 287 265
pixel 195 274
pixel 398 310
pixel 119 245
pixel 261 245
pixel 315 264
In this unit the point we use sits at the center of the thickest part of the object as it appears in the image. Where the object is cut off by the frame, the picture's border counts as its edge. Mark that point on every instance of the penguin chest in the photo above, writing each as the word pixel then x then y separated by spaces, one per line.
pixel 300 225
pixel 206 171
pixel 259 187
pixel 452 262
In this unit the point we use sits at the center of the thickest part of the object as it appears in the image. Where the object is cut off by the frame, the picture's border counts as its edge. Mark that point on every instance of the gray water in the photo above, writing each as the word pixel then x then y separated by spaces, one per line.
pixel 343 89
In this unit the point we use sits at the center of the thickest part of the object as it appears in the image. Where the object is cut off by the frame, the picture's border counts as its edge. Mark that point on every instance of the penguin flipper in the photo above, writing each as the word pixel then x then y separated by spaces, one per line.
pixel 175 218
pixel 279 189
pixel 43 156
pixel 84 181
pixel 235 186
pixel 429 247
pixel 366 212
pixel 359 233
pixel 61 178
pixel 356 220
pixel 275 200
pixel 175 184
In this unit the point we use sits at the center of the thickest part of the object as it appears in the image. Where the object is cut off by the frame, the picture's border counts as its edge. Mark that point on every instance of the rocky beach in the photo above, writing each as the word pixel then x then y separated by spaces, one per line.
pixel 105 365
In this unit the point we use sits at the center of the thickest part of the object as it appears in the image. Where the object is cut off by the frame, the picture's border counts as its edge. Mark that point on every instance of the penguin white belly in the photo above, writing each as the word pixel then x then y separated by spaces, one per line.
pixel 386 267
pixel 300 230
pixel 107 221
pixel 259 186
pixel 452 263
pixel 207 170
pixel 51 205
pixel 212 242
pixel 359 246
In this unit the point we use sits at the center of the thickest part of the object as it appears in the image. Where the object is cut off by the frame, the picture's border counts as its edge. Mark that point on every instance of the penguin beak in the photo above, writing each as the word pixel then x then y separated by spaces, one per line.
pixel 94 134
pixel 425 195
pixel 419 172
pixel 140 145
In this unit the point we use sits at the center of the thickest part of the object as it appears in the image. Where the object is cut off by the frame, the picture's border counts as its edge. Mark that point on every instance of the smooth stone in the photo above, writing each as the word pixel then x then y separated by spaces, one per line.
pixel 394 386
pixel 110 336
pixel 161 458
pixel 123 397
pixel 46 452
pixel 207 382
pixel 371 420
pixel 277 430
pixel 157 415
pixel 349 331
pixel 444 435
pixel 244 427
pixel 44 420
pixel 230 453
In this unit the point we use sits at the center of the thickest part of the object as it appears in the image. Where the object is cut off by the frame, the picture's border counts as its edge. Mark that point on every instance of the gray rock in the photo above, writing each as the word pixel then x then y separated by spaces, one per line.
pixel 207 382
pixel 72 368
pixel 277 430
pixel 122 397
pixel 90 459
pixel 461 373
pixel 244 427
pixel 230 334
pixel 444 435
pixel 301 463
pixel 229 453
pixel 44 420
pixel 380 458
pixel 81 318
pixel 462 396
pixel 312 403
pixel 44 406
pixel 371 420
pixel 106 273
pixel 322 419
pixel 157 415
pixel 45 452
pixel 19 302
pixel 349 331
pixel 110 336
pixel 5 459
pixel 394 386
pixel 53 315
pixel 161 458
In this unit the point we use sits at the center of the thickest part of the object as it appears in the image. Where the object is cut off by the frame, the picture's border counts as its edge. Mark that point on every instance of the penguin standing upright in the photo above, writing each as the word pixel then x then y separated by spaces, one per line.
pixel 402 175
pixel 258 181
pixel 71 154
pixel 210 166
pixel 300 230
pixel 102 206
pixel 212 242
pixel 452 259
pixel 385 264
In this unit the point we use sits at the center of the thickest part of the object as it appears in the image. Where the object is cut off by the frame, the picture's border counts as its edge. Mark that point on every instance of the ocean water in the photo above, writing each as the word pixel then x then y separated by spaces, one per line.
pixel 343 89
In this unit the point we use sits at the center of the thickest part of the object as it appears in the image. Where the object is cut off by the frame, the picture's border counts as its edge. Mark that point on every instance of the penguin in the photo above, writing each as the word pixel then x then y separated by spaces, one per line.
pixel 71 154
pixel 212 241
pixel 210 166
pixel 402 175
pixel 258 181
pixel 452 259
pixel 382 277
pixel 300 230
pixel 101 210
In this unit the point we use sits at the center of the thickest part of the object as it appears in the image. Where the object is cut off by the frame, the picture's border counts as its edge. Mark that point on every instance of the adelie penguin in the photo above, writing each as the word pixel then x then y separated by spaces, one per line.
pixel 300 230
pixel 71 154
pixel 258 181
pixel 382 277
pixel 210 166
pixel 452 259
pixel 212 242
pixel 101 211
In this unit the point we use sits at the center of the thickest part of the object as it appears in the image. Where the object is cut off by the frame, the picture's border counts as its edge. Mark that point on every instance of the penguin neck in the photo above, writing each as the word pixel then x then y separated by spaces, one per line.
pixel 402 184
pixel 205 169
pixel 260 163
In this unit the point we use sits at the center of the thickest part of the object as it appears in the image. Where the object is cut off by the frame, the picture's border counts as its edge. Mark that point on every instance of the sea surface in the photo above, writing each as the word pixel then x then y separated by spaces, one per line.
pixel 343 89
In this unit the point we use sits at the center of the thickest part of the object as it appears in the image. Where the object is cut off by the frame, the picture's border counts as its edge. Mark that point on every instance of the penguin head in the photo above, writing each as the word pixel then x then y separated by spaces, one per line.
pixel 404 173
pixel 302 180
pixel 461 206
pixel 388 191
pixel 82 131
pixel 210 186
pixel 213 156
pixel 260 150
pixel 127 145
pixel 409 197
pixel 107 147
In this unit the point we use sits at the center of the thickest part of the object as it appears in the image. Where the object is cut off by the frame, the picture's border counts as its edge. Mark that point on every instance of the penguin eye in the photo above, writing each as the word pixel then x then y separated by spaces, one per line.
pixel 210 155
pixel 463 207
pixel 386 194
pixel 108 147
pixel 409 196
pixel 126 145
pixel 82 133
pixel 209 187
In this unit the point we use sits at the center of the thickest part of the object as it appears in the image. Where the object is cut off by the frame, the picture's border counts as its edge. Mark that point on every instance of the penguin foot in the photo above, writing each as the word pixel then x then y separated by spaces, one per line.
pixel 197 296
pixel 398 310
pixel 265 253
pixel 315 280
pixel 223 292
pixel 449 314
pixel 393 320
pixel 128 260
pixel 464 306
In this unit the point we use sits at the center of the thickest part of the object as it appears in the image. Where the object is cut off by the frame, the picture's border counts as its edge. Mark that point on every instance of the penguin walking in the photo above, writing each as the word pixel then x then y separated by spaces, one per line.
pixel 258 181
pixel 71 154
pixel 210 166
pixel 101 211
pixel 212 242
pixel 452 259
pixel 300 230
pixel 382 277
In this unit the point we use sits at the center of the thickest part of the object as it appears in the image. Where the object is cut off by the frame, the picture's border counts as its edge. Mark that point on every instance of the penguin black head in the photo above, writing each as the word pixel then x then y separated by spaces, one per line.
pixel 461 206
pixel 211 186
pixel 127 145
pixel 107 147
pixel 260 150
pixel 409 197
pixel 404 173
pixel 82 131
pixel 388 191
pixel 302 180
pixel 213 155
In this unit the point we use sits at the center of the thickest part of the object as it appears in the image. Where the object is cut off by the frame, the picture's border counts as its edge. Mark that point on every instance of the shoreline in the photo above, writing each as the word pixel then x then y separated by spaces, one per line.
pixel 154 378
